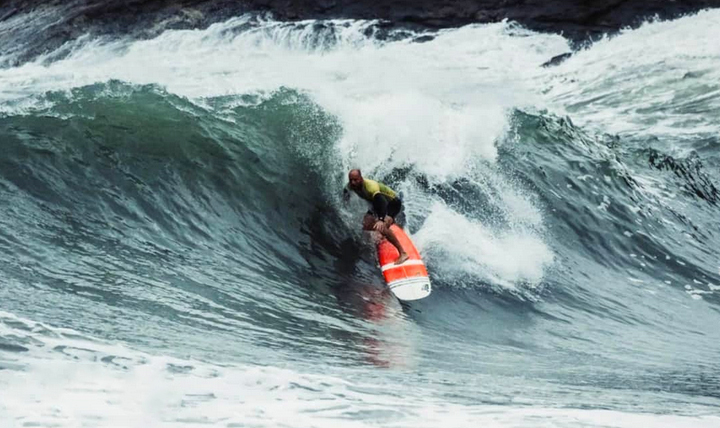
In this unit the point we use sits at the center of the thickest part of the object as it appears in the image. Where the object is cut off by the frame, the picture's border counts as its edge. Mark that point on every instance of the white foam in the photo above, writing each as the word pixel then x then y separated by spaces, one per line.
pixel 468 247
pixel 433 105
pixel 69 380
pixel 649 81
pixel 65 393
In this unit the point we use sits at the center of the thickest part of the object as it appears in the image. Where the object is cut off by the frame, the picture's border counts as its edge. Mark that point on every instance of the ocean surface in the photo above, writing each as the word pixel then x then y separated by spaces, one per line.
pixel 174 250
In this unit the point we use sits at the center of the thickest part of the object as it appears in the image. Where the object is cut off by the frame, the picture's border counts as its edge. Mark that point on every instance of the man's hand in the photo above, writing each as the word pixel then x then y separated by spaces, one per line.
pixel 380 226
pixel 389 221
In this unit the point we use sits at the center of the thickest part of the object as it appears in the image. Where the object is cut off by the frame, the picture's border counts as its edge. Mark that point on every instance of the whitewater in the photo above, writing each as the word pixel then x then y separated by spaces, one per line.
pixel 175 252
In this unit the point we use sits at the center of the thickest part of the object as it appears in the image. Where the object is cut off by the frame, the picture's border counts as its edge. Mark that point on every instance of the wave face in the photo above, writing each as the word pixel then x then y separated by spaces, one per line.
pixel 172 230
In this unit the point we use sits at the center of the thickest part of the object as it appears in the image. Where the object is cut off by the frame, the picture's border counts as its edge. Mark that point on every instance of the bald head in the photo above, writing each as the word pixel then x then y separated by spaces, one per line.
pixel 355 179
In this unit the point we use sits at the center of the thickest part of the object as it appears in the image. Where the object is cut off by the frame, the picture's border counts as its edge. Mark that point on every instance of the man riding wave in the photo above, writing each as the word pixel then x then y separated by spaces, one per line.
pixel 386 205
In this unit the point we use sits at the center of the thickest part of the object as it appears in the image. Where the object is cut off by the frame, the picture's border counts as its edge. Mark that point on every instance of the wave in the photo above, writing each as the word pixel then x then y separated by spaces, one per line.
pixel 182 195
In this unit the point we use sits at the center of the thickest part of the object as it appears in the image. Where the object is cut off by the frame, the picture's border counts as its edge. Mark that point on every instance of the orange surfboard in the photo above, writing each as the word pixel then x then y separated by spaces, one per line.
pixel 409 280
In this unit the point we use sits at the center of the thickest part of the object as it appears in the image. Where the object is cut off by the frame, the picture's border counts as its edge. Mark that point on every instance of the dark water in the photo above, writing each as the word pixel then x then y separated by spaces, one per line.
pixel 174 250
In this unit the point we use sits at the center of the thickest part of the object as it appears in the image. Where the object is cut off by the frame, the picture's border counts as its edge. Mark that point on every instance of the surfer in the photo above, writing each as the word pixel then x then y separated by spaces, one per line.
pixel 386 205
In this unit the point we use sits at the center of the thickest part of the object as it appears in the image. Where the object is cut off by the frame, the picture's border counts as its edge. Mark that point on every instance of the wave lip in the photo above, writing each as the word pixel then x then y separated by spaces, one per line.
pixel 51 24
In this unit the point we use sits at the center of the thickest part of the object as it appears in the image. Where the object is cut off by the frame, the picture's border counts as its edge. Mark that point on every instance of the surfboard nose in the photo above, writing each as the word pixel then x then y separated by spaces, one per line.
pixel 411 288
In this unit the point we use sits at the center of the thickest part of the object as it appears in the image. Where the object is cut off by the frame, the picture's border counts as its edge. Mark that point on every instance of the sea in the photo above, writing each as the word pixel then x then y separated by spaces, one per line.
pixel 175 250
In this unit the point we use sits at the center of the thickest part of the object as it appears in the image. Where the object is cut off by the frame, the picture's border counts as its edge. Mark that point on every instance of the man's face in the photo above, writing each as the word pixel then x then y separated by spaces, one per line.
pixel 356 181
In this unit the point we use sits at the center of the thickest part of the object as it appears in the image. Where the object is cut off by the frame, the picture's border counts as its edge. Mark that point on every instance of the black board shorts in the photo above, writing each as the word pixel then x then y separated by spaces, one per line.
pixel 393 208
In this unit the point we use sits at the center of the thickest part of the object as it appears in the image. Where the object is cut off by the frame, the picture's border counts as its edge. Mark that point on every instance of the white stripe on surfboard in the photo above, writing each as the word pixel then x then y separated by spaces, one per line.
pixel 415 280
pixel 405 263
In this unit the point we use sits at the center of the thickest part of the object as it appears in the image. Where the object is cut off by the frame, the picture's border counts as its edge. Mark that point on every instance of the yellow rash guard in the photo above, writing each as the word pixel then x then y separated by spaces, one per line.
pixel 371 188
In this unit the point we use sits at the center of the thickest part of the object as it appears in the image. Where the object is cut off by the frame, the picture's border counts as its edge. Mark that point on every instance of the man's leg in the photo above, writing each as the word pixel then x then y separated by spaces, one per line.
pixel 394 209
pixel 390 235
pixel 369 223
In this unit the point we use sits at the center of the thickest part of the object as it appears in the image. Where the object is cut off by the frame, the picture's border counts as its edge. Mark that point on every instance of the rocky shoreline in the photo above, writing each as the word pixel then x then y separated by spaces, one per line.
pixel 576 20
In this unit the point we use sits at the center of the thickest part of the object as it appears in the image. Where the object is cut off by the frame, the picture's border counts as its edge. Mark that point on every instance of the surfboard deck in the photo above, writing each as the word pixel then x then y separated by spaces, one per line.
pixel 409 280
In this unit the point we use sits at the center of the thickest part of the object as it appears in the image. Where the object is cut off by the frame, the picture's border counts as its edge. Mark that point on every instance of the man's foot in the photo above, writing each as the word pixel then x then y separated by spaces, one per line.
pixel 402 258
